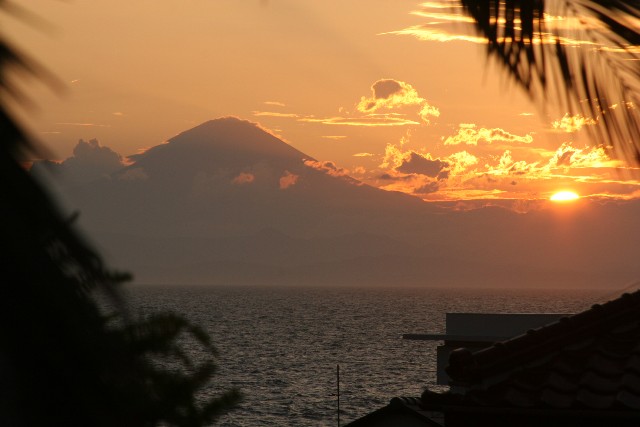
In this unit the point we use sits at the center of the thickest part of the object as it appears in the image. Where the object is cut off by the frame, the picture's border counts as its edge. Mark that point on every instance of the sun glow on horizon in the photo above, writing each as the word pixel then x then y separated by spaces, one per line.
pixel 564 196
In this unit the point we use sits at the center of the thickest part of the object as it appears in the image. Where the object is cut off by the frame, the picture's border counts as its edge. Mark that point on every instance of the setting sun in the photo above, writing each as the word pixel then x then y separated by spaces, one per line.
pixel 564 196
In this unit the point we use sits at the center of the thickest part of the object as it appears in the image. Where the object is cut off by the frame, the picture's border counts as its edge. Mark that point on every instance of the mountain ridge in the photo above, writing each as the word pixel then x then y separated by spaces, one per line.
pixel 228 201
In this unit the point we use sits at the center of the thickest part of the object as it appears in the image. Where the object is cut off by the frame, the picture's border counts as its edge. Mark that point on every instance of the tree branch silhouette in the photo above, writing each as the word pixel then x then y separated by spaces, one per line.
pixel 64 360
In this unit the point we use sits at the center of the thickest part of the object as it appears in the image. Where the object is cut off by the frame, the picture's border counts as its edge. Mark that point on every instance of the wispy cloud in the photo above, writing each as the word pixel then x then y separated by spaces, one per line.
pixel 83 124
pixel 274 114
pixel 469 134
pixel 363 155
pixel 428 33
pixel 369 121
pixel 459 27
pixel 573 123
pixel 274 103
pixel 336 137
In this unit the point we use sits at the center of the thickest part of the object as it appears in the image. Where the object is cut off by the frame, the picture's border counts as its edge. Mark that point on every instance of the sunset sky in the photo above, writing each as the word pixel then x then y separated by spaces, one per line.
pixel 399 94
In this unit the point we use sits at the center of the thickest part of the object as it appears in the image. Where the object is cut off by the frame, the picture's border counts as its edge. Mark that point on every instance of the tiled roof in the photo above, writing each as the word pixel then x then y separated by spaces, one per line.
pixel 400 411
pixel 586 362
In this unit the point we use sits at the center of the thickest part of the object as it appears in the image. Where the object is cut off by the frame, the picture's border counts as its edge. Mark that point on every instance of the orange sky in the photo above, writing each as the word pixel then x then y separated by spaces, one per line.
pixel 397 93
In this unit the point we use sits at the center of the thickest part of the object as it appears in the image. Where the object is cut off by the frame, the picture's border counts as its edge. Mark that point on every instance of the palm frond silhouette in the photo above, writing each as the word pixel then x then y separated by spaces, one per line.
pixel 64 358
pixel 583 55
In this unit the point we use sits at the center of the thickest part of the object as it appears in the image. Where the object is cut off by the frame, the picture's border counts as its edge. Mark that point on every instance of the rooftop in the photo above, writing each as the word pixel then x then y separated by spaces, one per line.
pixel 586 363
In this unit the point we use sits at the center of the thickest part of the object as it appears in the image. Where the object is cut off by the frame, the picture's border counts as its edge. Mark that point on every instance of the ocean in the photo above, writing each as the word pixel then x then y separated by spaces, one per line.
pixel 281 346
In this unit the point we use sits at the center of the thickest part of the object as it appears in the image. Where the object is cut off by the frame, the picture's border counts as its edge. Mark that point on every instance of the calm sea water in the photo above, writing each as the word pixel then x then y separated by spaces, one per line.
pixel 280 346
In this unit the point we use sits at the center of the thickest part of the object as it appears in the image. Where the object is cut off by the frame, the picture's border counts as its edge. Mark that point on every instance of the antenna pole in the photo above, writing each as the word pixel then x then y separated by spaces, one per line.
pixel 338 385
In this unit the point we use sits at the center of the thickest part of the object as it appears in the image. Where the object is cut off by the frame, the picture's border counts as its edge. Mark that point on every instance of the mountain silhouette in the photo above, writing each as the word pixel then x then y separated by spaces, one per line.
pixel 229 176
pixel 227 202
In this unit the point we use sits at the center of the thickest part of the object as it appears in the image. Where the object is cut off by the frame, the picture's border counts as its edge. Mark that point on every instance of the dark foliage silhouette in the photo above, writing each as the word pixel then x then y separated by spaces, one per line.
pixel 582 55
pixel 65 359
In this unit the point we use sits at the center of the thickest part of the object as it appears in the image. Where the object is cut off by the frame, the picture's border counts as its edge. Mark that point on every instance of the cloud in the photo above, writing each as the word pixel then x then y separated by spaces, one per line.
pixel 572 123
pixel 244 178
pixel 507 166
pixel 274 103
pixel 83 124
pixel 368 121
pixel 393 157
pixel 412 172
pixel 336 137
pixel 363 155
pixel 327 167
pixel 469 134
pixel 386 95
pixel 568 156
pixel 274 114
pixel 459 27
pixel 90 161
pixel 428 33
pixel 461 161
pixel 390 94
pixel 428 188
pixel 419 164
pixel 411 183
pixel 288 179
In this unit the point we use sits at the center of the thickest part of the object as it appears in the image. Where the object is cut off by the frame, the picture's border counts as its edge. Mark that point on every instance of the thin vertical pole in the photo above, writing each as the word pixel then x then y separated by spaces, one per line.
pixel 338 394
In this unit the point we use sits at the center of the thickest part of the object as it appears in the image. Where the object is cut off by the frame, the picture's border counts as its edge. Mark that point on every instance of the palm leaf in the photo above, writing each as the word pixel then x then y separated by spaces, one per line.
pixel 581 55
pixel 62 360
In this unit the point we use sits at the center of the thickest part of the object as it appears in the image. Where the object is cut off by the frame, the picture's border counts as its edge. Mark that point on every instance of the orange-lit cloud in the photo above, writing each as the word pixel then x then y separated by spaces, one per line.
pixel 460 27
pixel 368 121
pixel 287 180
pixel 508 166
pixel 572 123
pixel 336 137
pixel 412 172
pixel 358 170
pixel 460 162
pixel 327 167
pixel 409 183
pixel 568 156
pixel 390 94
pixel 274 103
pixel 363 155
pixel 84 124
pixel 513 174
pixel 244 178
pixel 274 114
pixel 425 33
pixel 422 165
pixel 469 134
pixel 440 17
